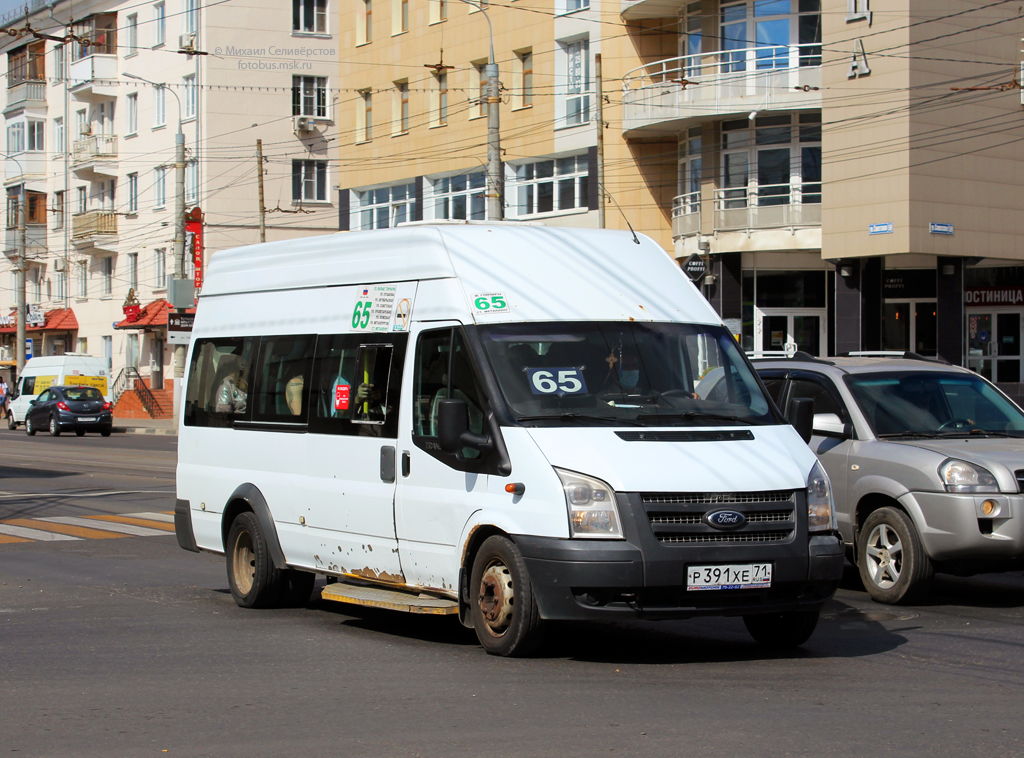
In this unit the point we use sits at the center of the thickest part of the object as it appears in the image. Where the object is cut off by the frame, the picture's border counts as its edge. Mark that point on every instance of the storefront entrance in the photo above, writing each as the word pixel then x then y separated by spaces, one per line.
pixel 790 330
pixel 994 342
pixel 909 325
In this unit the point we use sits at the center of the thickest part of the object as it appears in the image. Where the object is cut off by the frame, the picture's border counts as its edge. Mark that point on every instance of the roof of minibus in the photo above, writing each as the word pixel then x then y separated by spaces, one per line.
pixel 544 272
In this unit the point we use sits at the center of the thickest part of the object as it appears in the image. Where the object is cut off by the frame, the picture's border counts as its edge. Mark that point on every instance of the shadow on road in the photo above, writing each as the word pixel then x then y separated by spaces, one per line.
pixel 29 472
pixel 1002 590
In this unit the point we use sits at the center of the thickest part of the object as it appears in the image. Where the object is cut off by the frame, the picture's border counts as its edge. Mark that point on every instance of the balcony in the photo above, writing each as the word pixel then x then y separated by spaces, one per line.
pixel 662 98
pixel 26 95
pixel 631 9
pixel 95 227
pixel 96 154
pixel 28 165
pixel 35 241
pixel 92 77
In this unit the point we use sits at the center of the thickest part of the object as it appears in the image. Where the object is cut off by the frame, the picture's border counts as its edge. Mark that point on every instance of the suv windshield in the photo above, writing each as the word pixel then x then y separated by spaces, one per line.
pixel 657 374
pixel 904 403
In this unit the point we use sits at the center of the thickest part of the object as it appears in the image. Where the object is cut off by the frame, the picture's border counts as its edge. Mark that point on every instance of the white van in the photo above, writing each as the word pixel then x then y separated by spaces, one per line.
pixel 39 374
pixel 497 421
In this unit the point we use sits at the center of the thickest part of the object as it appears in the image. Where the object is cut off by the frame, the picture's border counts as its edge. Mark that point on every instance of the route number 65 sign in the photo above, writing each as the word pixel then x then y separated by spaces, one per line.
pixel 556 381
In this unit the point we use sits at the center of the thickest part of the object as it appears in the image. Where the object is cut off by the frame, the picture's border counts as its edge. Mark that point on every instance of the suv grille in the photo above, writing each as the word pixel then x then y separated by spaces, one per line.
pixel 676 517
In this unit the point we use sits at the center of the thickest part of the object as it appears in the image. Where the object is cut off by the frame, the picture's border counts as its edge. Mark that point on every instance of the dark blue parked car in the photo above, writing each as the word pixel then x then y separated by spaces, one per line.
pixel 64 409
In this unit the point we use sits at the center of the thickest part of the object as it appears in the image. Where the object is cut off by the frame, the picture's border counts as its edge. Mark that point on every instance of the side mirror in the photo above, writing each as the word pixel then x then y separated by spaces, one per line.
pixel 31 402
pixel 453 428
pixel 801 416
pixel 830 424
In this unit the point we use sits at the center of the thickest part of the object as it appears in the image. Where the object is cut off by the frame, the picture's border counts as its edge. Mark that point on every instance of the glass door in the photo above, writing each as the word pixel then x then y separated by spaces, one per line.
pixel 909 325
pixel 789 330
pixel 994 345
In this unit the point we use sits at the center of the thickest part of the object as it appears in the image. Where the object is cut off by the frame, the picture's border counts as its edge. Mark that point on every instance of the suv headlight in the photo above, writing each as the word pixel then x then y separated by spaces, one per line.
pixel 591 504
pixel 820 510
pixel 961 476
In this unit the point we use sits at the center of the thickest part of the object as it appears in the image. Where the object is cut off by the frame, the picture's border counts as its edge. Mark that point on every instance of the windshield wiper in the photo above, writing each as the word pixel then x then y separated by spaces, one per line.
pixel 979 433
pixel 604 420
pixel 926 435
pixel 647 418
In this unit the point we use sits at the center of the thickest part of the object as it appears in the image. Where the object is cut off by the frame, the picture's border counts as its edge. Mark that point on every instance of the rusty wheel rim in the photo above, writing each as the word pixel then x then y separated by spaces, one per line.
pixel 244 560
pixel 497 598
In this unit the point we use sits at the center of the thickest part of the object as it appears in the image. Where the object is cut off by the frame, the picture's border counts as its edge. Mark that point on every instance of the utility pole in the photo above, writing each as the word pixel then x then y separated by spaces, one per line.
pixel 20 281
pixel 259 174
pixel 495 181
pixel 600 141
pixel 179 254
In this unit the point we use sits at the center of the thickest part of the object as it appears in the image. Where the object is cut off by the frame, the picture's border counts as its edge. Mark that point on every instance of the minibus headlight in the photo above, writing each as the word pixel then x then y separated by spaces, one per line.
pixel 591 504
pixel 961 476
pixel 820 511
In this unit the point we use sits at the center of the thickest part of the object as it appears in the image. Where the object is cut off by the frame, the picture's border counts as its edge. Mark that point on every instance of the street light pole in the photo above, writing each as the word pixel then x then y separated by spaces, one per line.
pixel 179 233
pixel 19 270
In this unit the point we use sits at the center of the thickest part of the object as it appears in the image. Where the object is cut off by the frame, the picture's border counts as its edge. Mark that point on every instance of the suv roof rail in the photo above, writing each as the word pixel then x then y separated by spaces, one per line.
pixel 905 354
pixel 781 355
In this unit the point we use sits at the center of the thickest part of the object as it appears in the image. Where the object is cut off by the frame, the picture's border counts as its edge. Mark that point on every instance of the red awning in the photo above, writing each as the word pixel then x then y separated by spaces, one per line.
pixel 152 316
pixel 59 320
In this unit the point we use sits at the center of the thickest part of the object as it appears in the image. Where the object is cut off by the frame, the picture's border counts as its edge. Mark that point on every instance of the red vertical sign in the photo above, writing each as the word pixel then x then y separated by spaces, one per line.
pixel 194 233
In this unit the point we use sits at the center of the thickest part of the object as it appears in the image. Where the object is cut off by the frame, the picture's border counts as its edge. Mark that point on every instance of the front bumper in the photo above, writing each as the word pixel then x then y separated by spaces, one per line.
pixel 640 577
pixel 953 526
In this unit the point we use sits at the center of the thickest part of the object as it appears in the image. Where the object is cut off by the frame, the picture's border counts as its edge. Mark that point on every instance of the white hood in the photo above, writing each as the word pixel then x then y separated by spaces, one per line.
pixel 776 459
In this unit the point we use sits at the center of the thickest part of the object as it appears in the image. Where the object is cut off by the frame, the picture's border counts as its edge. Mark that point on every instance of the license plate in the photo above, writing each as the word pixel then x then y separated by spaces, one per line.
pixel 86 418
pixel 746 576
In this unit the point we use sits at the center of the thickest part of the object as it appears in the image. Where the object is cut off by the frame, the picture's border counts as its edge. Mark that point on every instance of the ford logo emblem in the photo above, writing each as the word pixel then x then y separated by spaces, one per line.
pixel 725 519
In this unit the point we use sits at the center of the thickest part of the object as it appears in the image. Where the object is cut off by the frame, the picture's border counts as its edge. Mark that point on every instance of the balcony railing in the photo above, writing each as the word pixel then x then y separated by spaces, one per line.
pixel 92 223
pixel 767 206
pixel 686 214
pixel 99 147
pixel 763 78
pixel 35 240
pixel 26 92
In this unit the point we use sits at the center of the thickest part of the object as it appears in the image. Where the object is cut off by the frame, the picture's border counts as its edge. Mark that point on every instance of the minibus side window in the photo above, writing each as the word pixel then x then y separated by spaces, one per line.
pixel 346 362
pixel 219 378
pixel 284 379
pixel 28 386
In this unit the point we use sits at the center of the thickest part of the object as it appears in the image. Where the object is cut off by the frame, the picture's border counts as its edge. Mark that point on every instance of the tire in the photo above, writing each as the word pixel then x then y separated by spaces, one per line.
pixel 79 432
pixel 503 608
pixel 105 432
pixel 296 587
pixel 782 631
pixel 11 423
pixel 252 576
pixel 891 560
pixel 29 429
pixel 54 427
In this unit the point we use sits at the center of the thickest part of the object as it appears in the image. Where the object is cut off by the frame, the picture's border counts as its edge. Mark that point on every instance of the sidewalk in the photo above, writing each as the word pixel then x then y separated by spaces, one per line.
pixel 145 426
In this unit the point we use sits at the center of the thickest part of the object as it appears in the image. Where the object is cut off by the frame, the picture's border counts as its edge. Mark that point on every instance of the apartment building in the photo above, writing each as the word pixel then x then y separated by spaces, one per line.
pixel 92 112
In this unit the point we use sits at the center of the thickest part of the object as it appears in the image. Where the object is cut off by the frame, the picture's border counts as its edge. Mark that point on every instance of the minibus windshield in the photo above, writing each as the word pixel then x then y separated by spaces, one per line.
pixel 624 373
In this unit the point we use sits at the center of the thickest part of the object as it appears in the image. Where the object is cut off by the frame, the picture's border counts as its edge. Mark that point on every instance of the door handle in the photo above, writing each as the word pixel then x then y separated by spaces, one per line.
pixel 387 463
pixel 406 462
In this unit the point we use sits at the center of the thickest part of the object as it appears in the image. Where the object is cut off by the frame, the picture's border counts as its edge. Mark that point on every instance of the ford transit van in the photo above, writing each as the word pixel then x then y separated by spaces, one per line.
pixel 494 421
pixel 43 372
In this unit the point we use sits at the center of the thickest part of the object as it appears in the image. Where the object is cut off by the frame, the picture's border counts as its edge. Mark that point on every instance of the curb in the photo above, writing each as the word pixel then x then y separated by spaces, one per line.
pixel 143 430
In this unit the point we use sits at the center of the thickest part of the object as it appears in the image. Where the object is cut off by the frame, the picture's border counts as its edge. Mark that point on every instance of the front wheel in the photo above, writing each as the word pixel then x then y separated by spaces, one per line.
pixel 254 580
pixel 29 429
pixel 891 560
pixel 54 427
pixel 502 605
pixel 782 631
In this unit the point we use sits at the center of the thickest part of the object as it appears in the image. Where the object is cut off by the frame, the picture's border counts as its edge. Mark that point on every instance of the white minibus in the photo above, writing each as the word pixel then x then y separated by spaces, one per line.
pixel 496 421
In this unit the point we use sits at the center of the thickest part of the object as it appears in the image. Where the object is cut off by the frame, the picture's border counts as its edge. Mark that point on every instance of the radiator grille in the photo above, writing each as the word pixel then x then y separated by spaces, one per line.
pixel 714 498
pixel 677 518
pixel 777 536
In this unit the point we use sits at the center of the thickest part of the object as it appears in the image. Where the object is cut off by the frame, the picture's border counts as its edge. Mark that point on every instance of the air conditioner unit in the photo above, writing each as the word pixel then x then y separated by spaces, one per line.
pixel 302 124
pixel 87 130
pixel 58 264
pixel 186 41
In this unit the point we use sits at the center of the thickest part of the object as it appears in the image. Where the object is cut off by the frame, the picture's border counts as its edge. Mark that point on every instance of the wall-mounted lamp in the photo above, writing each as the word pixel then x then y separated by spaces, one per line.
pixel 845 271
pixel 709 280
pixel 703 244
pixel 948 270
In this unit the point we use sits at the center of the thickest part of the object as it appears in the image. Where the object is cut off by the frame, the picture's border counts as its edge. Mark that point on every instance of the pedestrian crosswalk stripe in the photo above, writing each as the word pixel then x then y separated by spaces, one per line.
pixel 74 531
pixel 135 531
pixel 166 517
pixel 34 534
pixel 5 540
pixel 148 523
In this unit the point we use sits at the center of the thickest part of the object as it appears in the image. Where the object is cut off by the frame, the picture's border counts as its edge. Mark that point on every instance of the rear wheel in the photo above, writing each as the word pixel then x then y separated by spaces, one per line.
pixel 54 427
pixel 891 560
pixel 254 580
pixel 105 432
pixel 502 606
pixel 80 432
pixel 29 429
pixel 781 631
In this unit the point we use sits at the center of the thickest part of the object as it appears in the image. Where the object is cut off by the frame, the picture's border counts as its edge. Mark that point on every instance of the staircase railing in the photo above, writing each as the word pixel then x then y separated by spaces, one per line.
pixel 130 380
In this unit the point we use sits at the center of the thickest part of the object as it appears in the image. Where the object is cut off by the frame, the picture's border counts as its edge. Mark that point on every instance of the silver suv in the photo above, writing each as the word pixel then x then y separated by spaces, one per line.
pixel 926 461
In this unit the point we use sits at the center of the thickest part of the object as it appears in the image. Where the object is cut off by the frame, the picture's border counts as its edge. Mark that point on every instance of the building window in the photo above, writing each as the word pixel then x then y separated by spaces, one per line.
pixel 159 107
pixel 571 6
pixel 58 209
pixel 440 105
pixel 192 16
pixel 133 112
pixel 35 293
pixel 83 199
pixel 133 193
pixel 191 96
pixel 36 136
pixel 192 182
pixel 461 197
pixel 96 35
pixel 524 64
pixel 559 184
pixel 438 11
pixel 385 207
pixel 309 181
pixel 399 16
pixel 27 64
pixel 810 157
pixel 858 10
pixel 309 96
pixel 133 35
pixel 106 275
pixel 160 268
pixel 775 25
pixel 82 127
pixel 159 24
pixel 480 107
pixel 309 16
pixel 364 30
pixel 133 270
pixel 690 172
pixel 59 53
pixel 35 206
pixel 160 186
pixel 577 101
pixel 62 284
pixel 81 280
pixel 58 135
pixel 364 117
pixel 401 122
pixel 16 137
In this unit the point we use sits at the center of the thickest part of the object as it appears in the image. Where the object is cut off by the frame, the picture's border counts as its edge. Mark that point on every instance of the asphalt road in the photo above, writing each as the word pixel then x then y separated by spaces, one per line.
pixel 129 646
